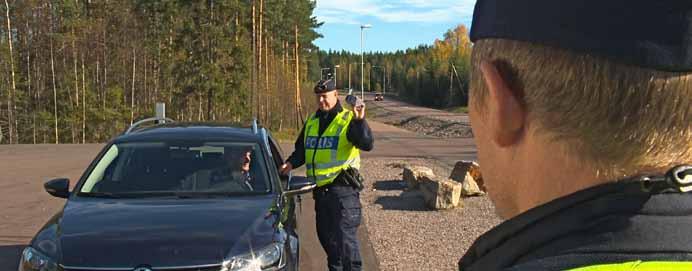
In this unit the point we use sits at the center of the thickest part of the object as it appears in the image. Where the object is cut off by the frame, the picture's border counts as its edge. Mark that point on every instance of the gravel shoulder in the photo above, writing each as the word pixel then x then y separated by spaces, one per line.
pixel 404 233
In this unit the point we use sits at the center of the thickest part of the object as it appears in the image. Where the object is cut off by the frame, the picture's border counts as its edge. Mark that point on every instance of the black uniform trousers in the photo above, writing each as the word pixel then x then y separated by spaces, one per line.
pixel 338 215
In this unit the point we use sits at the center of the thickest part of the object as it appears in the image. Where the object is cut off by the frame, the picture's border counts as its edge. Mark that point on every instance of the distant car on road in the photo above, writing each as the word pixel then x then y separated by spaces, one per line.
pixel 175 196
pixel 379 97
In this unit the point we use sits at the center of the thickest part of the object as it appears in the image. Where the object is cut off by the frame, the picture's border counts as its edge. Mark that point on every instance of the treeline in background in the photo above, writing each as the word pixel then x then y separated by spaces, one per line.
pixel 429 75
pixel 76 71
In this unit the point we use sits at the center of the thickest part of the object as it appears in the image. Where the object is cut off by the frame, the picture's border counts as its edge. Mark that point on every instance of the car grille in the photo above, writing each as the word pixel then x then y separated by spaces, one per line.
pixel 215 268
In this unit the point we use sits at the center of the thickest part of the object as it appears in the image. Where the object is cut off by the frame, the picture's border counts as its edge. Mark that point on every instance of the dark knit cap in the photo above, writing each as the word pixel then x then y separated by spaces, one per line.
pixel 646 33
pixel 325 86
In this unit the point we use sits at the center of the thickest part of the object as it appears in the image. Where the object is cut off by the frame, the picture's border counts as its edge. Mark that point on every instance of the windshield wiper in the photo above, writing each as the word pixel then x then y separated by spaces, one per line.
pixel 127 194
pixel 185 195
pixel 181 195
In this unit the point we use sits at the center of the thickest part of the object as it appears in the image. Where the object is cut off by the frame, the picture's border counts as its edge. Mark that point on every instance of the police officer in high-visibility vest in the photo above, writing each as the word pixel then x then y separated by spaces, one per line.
pixel 330 143
pixel 582 114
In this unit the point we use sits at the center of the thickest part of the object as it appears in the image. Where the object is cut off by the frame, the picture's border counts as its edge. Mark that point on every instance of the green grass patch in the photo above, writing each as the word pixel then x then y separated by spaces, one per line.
pixel 285 135
pixel 459 109
pixel 374 111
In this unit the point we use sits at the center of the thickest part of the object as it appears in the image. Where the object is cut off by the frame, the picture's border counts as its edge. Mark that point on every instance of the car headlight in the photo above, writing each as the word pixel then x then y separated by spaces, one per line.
pixel 32 260
pixel 268 258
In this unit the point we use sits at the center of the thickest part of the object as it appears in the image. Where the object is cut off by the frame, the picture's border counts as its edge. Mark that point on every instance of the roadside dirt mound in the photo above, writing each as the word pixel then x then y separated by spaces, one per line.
pixel 423 124
pixel 435 127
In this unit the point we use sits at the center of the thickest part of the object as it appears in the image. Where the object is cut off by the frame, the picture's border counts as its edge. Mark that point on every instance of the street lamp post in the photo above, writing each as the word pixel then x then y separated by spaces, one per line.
pixel 384 81
pixel 335 78
pixel 322 72
pixel 349 75
pixel 362 62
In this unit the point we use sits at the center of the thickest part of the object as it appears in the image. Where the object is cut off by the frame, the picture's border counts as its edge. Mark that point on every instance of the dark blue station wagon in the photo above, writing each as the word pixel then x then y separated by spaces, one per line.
pixel 175 196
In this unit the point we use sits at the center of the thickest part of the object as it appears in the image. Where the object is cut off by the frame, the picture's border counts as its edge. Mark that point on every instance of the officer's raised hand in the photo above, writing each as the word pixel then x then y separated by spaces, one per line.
pixel 358 106
pixel 359 112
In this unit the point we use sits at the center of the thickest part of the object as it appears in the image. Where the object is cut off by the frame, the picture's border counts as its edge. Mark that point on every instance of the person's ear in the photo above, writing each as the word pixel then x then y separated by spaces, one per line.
pixel 506 115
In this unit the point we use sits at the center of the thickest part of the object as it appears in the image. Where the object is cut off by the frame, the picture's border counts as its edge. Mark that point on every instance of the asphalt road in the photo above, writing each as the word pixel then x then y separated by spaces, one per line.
pixel 394 142
pixel 394 106
pixel 25 206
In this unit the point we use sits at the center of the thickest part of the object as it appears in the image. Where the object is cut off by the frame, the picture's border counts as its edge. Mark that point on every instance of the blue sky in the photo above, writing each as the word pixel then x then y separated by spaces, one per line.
pixel 396 24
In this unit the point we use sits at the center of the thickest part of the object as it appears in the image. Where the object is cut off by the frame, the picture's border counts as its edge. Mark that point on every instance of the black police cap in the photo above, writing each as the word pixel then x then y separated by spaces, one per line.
pixel 655 34
pixel 325 86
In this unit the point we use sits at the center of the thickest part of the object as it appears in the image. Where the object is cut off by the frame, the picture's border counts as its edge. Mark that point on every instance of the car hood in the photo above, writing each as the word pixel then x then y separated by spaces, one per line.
pixel 162 232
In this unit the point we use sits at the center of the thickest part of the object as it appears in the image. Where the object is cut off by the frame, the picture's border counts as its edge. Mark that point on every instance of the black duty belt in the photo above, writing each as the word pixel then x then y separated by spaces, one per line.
pixel 325 188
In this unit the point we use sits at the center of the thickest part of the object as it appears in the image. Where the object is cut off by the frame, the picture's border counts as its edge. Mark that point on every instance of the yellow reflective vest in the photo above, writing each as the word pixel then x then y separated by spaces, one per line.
pixel 639 266
pixel 327 154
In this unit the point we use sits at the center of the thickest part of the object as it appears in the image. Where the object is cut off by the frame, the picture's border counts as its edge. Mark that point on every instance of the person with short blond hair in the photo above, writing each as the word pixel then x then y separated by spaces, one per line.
pixel 582 114
pixel 570 96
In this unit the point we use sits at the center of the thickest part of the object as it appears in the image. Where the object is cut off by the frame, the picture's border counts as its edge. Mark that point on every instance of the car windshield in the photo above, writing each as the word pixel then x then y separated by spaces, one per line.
pixel 145 169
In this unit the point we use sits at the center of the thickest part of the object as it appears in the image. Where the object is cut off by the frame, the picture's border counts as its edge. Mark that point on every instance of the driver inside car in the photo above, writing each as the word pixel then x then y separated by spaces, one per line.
pixel 236 169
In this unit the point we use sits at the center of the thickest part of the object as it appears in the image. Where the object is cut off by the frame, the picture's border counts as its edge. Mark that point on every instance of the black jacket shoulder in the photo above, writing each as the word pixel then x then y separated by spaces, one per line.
pixel 611 223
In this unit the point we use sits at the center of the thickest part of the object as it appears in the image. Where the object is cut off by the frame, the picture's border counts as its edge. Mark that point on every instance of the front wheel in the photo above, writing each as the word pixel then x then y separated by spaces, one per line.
pixel 293 261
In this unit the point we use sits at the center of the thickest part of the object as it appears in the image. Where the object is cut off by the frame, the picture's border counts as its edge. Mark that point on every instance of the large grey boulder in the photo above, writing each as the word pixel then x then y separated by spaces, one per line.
pixel 413 175
pixel 440 194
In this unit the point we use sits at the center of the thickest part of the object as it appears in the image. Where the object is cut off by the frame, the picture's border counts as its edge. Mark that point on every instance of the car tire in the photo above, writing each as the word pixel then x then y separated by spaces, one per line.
pixel 292 264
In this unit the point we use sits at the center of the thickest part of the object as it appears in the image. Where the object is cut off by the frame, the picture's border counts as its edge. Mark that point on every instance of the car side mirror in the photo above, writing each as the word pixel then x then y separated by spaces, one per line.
pixel 299 185
pixel 58 187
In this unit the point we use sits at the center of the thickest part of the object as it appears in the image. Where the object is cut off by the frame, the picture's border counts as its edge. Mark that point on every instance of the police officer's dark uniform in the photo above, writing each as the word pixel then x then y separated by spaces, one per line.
pixel 640 223
pixel 329 143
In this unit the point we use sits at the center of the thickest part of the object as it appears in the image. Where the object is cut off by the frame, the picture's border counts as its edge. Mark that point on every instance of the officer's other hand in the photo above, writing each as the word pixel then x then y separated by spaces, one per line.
pixel 286 168
pixel 359 112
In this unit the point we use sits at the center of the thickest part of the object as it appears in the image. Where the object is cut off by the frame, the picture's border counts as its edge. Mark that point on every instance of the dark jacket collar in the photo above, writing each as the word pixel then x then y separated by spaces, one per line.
pixel 326 117
pixel 619 218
